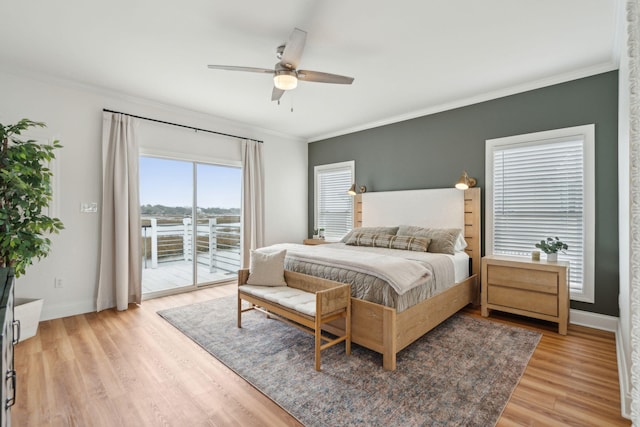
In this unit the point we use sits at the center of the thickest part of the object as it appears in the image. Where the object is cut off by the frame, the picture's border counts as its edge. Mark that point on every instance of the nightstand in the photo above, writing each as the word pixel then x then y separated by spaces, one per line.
pixel 315 242
pixel 518 285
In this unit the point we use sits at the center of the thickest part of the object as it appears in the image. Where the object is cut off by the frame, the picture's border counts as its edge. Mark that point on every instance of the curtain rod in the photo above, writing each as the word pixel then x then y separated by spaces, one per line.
pixel 179 125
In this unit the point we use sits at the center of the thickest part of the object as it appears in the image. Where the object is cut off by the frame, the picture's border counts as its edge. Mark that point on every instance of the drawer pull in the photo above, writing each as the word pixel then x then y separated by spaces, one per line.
pixel 16 331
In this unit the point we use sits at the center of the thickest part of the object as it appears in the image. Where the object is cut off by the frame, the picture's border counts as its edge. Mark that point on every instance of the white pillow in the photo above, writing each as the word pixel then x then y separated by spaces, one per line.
pixel 267 269
pixel 460 243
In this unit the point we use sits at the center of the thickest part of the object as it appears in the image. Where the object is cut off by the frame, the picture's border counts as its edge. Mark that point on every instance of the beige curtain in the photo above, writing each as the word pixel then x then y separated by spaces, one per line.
pixel 120 268
pixel 252 221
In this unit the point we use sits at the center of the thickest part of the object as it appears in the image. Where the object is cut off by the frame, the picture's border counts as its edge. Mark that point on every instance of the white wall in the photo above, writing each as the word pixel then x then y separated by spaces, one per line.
pixel 73 114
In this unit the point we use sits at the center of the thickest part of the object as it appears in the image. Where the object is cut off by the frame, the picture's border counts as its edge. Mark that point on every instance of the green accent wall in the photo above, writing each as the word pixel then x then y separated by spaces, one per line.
pixel 432 151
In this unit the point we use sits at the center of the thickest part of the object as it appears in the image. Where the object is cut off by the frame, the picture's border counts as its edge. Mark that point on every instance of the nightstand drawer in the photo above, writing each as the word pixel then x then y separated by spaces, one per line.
pixel 522 278
pixel 543 303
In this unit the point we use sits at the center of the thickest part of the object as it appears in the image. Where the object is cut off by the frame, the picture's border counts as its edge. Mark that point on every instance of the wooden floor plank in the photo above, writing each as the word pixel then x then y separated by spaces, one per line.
pixel 134 369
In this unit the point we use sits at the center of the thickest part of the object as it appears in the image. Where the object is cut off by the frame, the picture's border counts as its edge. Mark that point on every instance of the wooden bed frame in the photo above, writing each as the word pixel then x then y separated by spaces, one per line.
pixel 382 329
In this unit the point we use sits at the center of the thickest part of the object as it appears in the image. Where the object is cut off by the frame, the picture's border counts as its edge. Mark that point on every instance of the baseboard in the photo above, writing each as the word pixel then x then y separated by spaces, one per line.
pixel 624 374
pixel 65 310
pixel 593 320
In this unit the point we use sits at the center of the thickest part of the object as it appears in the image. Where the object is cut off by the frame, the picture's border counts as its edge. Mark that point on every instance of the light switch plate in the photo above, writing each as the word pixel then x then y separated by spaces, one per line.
pixel 89 207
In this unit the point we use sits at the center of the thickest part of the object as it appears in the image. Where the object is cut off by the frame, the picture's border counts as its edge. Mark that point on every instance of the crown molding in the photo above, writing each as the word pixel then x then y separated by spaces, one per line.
pixel 120 97
pixel 476 99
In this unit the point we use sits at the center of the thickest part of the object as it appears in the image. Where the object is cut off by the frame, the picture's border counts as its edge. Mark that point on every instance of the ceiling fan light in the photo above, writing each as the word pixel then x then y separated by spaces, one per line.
pixel 285 80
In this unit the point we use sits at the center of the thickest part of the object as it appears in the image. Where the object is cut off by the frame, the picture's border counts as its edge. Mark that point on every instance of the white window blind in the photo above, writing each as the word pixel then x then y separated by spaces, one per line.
pixel 333 206
pixel 538 190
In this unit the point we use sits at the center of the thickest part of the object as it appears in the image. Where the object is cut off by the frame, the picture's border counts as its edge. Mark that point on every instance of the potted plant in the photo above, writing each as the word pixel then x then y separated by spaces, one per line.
pixel 551 246
pixel 25 194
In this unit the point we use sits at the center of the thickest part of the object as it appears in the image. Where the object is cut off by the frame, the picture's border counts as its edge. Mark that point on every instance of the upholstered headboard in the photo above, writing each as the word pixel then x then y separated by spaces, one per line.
pixel 436 208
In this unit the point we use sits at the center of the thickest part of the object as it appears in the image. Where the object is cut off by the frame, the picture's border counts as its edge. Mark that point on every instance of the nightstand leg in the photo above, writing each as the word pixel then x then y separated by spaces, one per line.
pixel 562 328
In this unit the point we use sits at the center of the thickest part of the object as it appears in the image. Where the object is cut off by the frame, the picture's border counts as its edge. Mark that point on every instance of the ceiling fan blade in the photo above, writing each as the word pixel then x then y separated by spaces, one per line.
pixel 293 48
pixel 276 94
pixel 234 68
pixel 316 76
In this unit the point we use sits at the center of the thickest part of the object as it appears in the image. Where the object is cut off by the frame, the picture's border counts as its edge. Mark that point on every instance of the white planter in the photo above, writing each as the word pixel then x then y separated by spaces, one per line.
pixel 552 257
pixel 27 311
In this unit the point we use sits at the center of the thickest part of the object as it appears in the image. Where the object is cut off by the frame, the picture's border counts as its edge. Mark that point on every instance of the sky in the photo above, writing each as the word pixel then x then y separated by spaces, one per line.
pixel 170 183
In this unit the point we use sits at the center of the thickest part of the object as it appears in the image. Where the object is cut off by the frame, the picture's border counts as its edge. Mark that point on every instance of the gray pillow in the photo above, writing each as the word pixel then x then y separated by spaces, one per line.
pixel 407 243
pixel 267 269
pixel 443 240
pixel 409 230
pixel 370 230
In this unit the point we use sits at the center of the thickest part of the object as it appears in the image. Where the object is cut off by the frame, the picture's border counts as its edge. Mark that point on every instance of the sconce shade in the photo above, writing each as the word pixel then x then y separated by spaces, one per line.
pixel 465 182
pixel 352 190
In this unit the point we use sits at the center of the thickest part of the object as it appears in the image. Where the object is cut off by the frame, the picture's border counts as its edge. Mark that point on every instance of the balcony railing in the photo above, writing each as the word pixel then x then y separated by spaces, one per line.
pixel 217 245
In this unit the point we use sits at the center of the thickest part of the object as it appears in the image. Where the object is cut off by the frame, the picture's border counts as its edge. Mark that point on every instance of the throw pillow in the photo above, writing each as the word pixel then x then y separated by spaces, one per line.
pixel 267 269
pixel 407 243
pixel 370 230
pixel 443 240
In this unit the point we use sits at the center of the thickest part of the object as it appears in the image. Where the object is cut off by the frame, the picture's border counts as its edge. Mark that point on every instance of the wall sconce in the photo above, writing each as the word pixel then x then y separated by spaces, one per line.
pixel 465 182
pixel 352 190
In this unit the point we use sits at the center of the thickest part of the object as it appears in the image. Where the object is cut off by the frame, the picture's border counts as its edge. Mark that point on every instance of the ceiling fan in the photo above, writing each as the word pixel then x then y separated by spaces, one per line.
pixel 285 72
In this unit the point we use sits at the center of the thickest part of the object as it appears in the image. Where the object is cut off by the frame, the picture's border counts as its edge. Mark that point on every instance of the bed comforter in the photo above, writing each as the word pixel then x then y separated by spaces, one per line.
pixel 431 273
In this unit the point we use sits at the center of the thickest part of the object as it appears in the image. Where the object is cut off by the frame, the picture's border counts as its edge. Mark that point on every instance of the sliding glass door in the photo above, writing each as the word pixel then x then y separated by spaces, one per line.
pixel 190 215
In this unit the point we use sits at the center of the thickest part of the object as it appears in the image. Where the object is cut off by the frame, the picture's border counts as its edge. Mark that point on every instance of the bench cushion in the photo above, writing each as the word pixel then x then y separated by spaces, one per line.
pixel 292 298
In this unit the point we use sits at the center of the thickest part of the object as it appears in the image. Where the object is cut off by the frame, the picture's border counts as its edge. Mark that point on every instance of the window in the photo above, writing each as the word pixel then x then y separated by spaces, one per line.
pixel 333 206
pixel 542 185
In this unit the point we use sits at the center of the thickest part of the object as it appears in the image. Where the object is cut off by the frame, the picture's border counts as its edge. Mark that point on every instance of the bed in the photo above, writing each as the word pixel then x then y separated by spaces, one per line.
pixel 378 325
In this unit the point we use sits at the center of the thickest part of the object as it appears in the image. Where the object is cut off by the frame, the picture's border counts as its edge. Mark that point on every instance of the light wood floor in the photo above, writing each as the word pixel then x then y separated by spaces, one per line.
pixel 134 369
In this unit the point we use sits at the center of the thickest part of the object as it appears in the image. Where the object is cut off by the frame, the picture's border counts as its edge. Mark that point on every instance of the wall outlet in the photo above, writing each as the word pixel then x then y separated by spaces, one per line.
pixel 57 282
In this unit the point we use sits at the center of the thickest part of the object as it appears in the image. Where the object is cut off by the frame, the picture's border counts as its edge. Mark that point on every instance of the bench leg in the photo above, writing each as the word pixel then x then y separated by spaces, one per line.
pixel 347 330
pixel 318 336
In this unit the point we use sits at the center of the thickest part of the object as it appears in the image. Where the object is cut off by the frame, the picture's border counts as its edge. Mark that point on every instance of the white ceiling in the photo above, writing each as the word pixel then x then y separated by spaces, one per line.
pixel 408 57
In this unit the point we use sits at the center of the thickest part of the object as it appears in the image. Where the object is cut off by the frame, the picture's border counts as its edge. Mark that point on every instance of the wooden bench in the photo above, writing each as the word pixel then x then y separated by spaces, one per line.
pixel 306 302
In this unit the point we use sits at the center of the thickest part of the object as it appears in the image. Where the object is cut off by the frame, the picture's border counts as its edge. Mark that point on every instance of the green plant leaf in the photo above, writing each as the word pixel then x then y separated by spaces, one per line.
pixel 25 193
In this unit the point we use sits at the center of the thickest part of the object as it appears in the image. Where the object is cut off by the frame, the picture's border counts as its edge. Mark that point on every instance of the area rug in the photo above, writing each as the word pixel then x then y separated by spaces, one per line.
pixel 462 373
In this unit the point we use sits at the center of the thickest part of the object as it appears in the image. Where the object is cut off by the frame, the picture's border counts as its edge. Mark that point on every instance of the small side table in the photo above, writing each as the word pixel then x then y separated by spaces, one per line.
pixel 538 289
